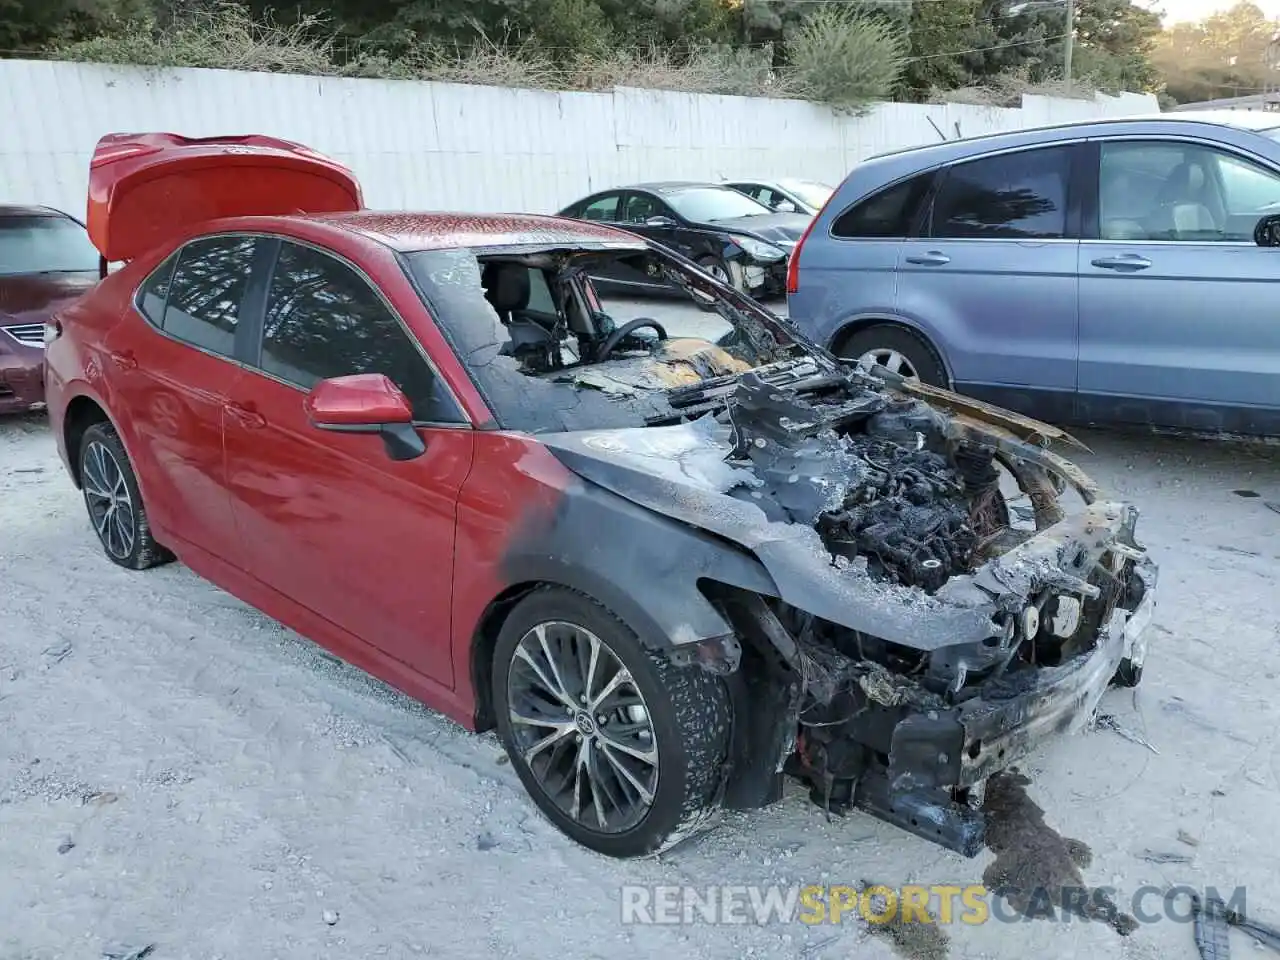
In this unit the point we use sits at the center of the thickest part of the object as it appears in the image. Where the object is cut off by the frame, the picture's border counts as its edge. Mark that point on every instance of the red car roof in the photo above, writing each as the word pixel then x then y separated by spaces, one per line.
pixel 436 231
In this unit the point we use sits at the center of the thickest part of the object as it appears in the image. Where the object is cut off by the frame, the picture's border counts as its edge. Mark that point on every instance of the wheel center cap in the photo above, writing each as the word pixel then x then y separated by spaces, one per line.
pixel 586 726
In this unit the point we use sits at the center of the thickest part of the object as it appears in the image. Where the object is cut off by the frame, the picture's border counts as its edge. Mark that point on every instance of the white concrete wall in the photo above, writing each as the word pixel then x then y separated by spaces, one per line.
pixel 446 146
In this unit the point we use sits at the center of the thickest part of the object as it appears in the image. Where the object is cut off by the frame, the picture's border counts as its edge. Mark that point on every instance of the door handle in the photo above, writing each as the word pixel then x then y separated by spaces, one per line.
pixel 1126 262
pixel 934 258
pixel 248 418
pixel 125 360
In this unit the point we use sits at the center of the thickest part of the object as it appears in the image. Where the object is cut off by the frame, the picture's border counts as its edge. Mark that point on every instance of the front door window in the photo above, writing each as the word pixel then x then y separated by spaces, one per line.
pixel 1169 190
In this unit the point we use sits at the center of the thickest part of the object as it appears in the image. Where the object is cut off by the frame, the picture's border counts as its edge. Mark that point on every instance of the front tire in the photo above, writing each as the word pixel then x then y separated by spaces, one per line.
pixel 729 273
pixel 622 750
pixel 114 501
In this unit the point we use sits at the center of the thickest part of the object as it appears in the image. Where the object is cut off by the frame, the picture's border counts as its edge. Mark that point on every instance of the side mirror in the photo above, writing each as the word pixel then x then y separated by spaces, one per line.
pixel 785 206
pixel 659 222
pixel 366 403
pixel 1267 232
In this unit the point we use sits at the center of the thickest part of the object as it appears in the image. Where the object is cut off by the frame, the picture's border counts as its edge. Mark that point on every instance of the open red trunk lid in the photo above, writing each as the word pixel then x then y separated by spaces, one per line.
pixel 147 187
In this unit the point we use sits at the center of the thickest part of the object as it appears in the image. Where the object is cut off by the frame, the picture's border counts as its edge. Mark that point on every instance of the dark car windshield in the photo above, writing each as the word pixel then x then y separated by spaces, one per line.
pixel 708 204
pixel 542 365
pixel 44 244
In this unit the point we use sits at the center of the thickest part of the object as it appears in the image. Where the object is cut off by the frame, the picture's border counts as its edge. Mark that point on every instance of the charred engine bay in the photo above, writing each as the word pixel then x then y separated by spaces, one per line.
pixel 898 495
pixel 877 477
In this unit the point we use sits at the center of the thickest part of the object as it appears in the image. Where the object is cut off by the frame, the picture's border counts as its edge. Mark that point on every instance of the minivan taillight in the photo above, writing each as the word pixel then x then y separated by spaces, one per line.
pixel 793 265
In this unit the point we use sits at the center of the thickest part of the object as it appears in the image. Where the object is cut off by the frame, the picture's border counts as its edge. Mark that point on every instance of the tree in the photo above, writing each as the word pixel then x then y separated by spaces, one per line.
pixel 1224 55
pixel 1114 43
pixel 938 33
pixel 31 24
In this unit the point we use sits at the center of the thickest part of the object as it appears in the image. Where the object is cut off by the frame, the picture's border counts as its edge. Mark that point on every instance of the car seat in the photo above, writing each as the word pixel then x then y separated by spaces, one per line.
pixel 506 287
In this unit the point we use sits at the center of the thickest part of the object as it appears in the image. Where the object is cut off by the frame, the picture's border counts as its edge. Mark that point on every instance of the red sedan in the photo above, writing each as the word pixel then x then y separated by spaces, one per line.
pixel 662 566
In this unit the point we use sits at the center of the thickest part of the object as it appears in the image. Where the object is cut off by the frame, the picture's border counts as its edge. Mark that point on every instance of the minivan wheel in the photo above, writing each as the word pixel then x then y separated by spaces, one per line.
pixel 896 348
pixel 114 501
pixel 622 750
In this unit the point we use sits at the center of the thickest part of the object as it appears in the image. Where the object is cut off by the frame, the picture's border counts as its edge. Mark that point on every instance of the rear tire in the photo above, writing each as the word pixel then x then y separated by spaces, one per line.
pixel 906 349
pixel 114 501
pixel 639 771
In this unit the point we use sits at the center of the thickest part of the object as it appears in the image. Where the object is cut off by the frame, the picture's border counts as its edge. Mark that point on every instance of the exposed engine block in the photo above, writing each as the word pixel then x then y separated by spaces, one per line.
pixel 908 515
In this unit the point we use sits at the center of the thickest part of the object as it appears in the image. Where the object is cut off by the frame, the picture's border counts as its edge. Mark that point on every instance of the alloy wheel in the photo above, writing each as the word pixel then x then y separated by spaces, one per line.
pixel 111 507
pixel 582 727
pixel 718 271
pixel 891 360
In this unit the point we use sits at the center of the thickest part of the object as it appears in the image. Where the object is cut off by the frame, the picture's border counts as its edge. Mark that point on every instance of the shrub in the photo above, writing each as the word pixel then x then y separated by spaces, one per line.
pixel 845 57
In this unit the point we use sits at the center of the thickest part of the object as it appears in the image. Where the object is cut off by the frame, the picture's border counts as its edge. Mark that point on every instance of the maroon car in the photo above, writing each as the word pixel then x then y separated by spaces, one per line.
pixel 46 259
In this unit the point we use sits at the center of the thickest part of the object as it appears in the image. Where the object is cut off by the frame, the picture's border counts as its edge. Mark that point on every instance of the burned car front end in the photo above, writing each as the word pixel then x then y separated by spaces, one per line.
pixel 902 603
pixel 919 641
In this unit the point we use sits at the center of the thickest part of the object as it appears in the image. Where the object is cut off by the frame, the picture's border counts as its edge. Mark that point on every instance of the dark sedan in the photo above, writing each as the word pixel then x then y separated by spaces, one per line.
pixel 46 260
pixel 736 239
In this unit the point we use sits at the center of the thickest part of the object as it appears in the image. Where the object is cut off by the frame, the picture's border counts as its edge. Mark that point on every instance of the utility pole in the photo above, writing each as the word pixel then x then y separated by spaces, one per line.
pixel 1069 41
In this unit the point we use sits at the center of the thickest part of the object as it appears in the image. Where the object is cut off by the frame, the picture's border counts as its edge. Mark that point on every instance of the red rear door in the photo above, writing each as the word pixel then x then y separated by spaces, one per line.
pixel 173 363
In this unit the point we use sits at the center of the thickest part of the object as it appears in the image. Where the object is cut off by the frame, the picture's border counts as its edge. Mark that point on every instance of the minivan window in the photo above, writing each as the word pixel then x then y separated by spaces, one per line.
pixel 1019 195
pixel 204 297
pixel 323 320
pixel 889 213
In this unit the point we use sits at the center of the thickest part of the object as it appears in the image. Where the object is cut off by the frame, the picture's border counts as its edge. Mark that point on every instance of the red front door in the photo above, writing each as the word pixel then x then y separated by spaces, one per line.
pixel 333 523
pixel 329 519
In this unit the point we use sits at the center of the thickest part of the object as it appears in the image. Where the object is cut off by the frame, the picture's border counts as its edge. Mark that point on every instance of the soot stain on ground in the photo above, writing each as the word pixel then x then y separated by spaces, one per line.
pixel 911 939
pixel 1037 870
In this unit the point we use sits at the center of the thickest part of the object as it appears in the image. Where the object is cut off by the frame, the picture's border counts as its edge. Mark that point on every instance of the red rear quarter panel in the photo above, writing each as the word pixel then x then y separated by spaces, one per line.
pixel 75 363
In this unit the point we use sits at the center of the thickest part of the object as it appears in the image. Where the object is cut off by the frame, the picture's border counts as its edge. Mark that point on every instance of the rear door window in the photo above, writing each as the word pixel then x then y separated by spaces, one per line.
pixel 202 300
pixel 324 320
pixel 1019 196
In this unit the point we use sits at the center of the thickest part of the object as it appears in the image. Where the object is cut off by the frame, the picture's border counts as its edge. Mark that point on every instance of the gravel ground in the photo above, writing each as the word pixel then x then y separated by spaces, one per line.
pixel 178 770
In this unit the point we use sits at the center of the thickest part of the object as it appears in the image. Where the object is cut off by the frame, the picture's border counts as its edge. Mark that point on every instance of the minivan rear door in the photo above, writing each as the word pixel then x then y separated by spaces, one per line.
pixel 992 278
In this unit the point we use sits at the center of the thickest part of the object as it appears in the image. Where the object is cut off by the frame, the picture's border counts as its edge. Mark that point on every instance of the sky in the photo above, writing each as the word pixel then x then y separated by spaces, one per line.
pixel 1176 10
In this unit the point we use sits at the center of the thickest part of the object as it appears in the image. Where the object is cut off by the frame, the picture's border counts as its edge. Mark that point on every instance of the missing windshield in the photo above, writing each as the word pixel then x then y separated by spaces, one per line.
pixel 552 347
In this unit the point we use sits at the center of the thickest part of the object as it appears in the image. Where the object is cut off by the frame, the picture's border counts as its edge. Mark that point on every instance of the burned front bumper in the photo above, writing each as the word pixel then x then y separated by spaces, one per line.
pixel 911 754
pixel 937 755
pixel 963 746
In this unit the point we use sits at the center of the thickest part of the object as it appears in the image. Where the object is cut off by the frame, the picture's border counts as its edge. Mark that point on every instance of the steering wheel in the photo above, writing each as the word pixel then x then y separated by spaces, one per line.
pixel 624 331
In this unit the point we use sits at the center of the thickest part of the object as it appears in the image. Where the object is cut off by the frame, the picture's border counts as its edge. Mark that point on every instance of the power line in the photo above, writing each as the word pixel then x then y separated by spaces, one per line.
pixel 996 46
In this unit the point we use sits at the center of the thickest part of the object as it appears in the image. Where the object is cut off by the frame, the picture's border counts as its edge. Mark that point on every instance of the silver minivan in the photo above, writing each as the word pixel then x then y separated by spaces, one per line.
pixel 1104 271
